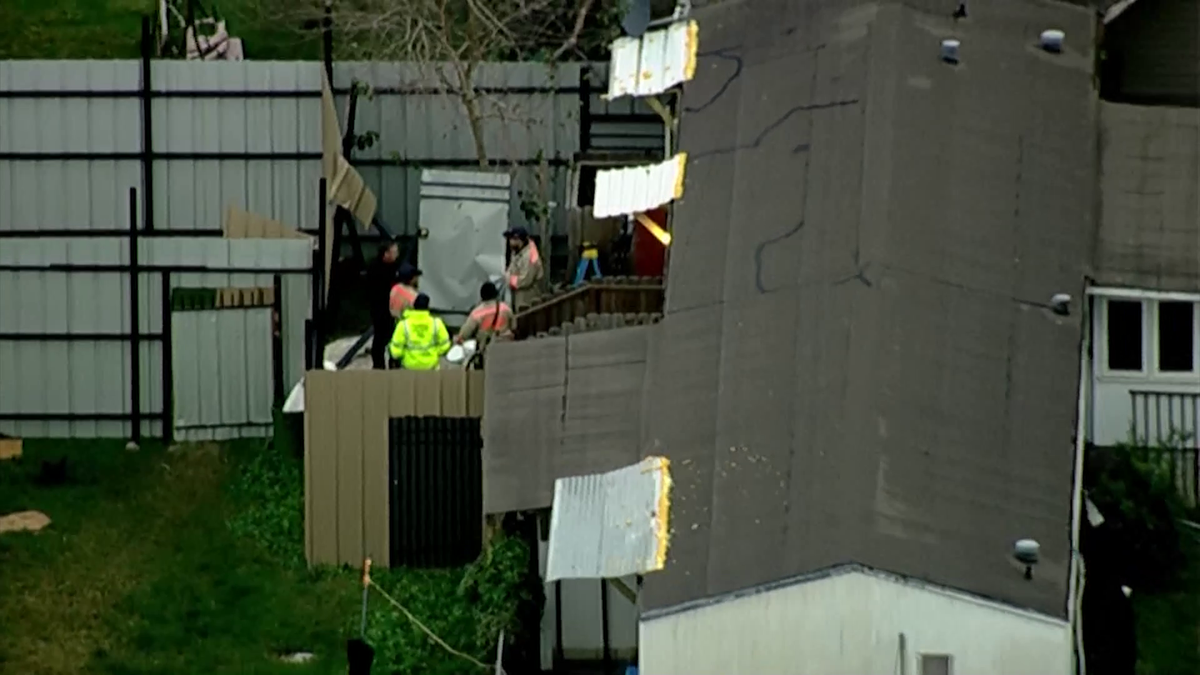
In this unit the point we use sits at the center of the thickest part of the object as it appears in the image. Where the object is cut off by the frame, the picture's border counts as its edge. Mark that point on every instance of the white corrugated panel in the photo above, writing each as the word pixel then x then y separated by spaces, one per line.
pixel 611 524
pixel 653 63
pixel 635 189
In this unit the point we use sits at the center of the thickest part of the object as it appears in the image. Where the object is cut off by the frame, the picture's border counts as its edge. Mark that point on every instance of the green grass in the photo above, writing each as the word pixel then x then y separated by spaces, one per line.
pixel 1168 623
pixel 111 29
pixel 191 562
pixel 139 573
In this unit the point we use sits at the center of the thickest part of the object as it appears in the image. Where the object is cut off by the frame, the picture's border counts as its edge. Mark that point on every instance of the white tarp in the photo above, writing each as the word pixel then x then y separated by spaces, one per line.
pixel 465 214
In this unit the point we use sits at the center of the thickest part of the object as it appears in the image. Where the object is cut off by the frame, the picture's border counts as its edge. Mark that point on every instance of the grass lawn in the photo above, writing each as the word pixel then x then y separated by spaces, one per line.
pixel 140 572
pixel 191 563
pixel 111 29
pixel 1168 624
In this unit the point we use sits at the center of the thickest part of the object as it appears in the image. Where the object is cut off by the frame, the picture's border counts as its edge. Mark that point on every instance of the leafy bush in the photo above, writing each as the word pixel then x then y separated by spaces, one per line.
pixel 467 608
pixel 1134 488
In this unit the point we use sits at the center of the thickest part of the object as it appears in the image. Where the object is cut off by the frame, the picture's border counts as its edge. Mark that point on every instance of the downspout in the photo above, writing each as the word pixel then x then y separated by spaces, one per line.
pixel 1074 581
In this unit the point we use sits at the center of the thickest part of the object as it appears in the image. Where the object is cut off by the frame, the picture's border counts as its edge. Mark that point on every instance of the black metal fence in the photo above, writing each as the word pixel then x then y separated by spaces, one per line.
pixel 436 467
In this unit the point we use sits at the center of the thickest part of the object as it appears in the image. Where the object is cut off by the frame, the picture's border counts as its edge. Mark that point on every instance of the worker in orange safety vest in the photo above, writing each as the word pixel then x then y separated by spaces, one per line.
pixel 524 273
pixel 490 320
pixel 404 293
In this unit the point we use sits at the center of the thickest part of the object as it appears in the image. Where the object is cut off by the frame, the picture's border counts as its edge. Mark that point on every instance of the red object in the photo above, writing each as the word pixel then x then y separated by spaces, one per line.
pixel 649 254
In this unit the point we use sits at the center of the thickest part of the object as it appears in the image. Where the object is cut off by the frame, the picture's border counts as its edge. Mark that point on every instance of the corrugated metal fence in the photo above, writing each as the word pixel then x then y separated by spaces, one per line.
pixel 67 317
pixel 351 478
pixel 196 137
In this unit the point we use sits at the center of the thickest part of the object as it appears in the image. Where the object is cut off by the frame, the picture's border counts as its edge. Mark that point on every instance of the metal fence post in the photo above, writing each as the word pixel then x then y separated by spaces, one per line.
pixel 168 363
pixel 135 319
pixel 147 152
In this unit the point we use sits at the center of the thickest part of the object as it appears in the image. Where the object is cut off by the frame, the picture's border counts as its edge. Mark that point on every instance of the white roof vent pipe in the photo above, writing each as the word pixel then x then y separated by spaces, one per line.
pixel 1052 40
pixel 950 50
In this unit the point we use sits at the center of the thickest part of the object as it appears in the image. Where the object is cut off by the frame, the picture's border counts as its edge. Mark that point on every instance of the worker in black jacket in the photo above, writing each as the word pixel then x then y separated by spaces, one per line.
pixel 381 277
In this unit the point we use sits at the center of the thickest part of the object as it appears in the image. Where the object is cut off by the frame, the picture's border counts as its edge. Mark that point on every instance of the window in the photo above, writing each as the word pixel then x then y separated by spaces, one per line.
pixel 1123 334
pixel 1176 337
pixel 935 664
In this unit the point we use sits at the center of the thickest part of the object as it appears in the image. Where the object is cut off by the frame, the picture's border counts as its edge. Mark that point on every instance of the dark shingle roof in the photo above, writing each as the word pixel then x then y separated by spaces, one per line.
pixel 851 367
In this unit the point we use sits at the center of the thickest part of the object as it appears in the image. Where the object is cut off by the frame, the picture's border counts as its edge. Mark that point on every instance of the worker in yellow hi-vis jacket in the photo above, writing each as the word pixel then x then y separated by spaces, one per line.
pixel 420 339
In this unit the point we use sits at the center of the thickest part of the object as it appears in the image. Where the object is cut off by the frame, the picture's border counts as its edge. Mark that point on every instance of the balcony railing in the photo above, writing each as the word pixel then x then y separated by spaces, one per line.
pixel 606 303
pixel 1167 419
pixel 1170 422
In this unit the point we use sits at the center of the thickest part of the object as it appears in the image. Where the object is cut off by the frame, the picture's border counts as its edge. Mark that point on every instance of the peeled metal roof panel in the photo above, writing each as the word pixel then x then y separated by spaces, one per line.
pixel 653 63
pixel 635 189
pixel 610 524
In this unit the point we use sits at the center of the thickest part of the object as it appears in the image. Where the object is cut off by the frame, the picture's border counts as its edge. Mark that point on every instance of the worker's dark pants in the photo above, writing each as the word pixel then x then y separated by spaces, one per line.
pixel 379 345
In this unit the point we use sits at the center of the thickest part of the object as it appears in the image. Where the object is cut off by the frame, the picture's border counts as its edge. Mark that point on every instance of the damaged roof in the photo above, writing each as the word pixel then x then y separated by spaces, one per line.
pixel 853 365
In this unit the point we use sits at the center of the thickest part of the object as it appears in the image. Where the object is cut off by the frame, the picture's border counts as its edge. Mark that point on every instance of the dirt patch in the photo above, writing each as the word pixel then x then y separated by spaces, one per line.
pixel 23 521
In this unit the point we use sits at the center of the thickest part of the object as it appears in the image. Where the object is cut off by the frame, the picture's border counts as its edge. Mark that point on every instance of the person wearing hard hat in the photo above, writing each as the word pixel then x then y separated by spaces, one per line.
pixel 405 292
pixel 490 320
pixel 524 272
pixel 420 339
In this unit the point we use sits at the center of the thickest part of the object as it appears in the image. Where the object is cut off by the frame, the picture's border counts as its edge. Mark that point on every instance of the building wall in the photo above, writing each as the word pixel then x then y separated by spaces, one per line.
pixel 1150 198
pixel 850 623
pixel 1153 54
pixel 1160 408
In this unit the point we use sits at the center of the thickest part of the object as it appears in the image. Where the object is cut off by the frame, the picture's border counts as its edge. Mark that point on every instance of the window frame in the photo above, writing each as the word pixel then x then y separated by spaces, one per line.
pixel 1102 339
pixel 921 661
pixel 1186 376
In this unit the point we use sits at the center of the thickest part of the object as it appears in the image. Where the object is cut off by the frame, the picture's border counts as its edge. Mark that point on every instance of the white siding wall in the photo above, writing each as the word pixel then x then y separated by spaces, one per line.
pixel 849 624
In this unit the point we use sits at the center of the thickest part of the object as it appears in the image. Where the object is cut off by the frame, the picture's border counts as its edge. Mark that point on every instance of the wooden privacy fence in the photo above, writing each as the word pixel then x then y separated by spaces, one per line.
pixel 388 449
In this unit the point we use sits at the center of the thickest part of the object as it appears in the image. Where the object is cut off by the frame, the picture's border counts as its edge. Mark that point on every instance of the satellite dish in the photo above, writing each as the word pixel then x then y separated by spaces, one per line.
pixel 637 18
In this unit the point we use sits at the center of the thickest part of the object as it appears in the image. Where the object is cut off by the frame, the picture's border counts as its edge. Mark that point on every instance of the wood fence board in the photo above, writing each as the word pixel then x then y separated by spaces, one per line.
pixel 347 468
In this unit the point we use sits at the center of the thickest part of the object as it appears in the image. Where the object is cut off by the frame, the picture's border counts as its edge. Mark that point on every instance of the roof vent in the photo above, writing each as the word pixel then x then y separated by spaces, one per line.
pixel 950 50
pixel 1052 40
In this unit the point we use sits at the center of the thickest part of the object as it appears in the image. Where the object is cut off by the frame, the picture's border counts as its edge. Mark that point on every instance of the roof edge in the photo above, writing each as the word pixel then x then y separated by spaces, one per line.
pixel 842 569
pixel 1117 10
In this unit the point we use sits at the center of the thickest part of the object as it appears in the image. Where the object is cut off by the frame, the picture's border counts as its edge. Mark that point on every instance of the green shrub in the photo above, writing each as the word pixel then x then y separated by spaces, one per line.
pixel 1135 490
pixel 467 608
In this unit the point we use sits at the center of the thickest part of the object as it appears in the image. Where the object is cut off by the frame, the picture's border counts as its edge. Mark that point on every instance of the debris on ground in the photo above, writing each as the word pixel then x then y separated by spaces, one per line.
pixel 338 348
pixel 23 521
pixel 10 448
pixel 298 657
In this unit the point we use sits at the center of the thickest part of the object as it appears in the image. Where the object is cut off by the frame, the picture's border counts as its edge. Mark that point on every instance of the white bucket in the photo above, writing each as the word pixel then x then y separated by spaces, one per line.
pixel 950 50
pixel 462 353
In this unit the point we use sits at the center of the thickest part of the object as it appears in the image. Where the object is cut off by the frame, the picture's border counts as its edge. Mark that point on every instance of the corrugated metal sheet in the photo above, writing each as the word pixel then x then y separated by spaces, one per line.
pixel 62 194
pixel 627 124
pixel 655 62
pixel 92 377
pixel 426 126
pixel 436 497
pixel 610 525
pixel 224 367
pixel 638 188
pixel 73 377
pixel 805 627
pixel 192 193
